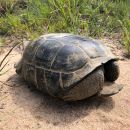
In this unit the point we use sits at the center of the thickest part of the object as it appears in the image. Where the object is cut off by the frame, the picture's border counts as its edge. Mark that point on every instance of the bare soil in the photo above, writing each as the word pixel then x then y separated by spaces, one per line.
pixel 22 108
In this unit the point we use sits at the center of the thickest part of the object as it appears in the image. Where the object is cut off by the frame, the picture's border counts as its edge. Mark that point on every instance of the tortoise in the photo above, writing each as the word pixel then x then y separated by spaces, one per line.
pixel 70 67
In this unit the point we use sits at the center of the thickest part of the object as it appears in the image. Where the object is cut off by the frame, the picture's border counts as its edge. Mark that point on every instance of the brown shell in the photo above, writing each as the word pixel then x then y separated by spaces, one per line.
pixel 56 62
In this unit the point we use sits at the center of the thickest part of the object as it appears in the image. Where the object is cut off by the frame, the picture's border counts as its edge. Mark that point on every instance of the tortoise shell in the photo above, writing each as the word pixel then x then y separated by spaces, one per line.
pixel 54 63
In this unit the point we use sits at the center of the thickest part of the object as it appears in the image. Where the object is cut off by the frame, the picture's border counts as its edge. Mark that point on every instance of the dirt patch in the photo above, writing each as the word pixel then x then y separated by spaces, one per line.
pixel 22 108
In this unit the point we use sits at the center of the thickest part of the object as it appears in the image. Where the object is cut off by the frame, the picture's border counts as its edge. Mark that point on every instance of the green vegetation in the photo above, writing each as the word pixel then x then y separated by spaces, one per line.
pixel 95 18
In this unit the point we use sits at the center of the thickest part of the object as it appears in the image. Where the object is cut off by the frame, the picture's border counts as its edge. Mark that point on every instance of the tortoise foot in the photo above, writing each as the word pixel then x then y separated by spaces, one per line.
pixel 110 89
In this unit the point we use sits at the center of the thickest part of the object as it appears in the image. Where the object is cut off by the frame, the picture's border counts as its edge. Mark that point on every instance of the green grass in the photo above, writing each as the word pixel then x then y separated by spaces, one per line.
pixel 95 18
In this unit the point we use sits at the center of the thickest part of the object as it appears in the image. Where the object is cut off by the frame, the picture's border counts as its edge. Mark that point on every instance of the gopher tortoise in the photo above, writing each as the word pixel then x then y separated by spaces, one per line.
pixel 70 67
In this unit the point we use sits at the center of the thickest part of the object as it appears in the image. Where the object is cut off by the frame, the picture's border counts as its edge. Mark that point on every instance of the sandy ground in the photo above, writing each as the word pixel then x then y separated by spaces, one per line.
pixel 22 108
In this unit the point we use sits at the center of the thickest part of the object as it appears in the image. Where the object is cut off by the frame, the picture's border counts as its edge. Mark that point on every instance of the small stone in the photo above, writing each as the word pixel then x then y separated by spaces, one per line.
pixel 122 58
pixel 2 106
pixel 55 123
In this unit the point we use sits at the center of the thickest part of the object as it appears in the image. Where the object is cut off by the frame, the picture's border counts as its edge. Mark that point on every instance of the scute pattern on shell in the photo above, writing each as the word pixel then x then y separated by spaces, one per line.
pixel 56 62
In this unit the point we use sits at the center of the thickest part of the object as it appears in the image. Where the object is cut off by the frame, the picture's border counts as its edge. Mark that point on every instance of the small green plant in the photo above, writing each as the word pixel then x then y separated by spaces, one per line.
pixel 126 37
pixel 95 18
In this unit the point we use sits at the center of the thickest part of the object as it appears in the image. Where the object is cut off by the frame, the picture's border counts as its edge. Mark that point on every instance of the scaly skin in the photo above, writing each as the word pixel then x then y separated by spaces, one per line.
pixel 89 86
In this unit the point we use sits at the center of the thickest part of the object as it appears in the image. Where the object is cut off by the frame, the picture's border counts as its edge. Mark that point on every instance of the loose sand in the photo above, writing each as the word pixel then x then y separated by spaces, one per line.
pixel 22 108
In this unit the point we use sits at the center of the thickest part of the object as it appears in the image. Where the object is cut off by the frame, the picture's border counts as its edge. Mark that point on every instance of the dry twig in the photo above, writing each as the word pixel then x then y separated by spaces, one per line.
pixel 2 67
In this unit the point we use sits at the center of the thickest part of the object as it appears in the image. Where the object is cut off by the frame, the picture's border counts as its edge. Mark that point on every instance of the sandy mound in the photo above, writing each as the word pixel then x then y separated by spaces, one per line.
pixel 22 108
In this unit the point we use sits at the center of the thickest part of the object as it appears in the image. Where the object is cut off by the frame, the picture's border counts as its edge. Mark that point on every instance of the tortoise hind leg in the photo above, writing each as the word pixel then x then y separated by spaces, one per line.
pixel 111 71
pixel 89 86
pixel 18 67
pixel 110 89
